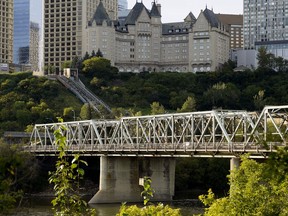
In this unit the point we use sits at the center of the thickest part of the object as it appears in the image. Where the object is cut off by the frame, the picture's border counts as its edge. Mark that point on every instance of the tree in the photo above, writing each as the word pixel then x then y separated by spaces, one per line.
pixel 66 64
pixel 255 189
pixel 150 209
pixel 157 108
pixel 66 178
pixel 99 53
pixel 98 66
pixel 49 69
pixel 259 101
pixel 222 95
pixel 18 169
pixel 86 56
pixel 69 113
pixel 85 113
pixel 265 59
pixel 280 64
pixel 188 106
pixel 93 54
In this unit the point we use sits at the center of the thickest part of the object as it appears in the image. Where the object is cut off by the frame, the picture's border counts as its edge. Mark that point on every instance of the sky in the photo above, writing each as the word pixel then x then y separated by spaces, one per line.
pixel 177 10
pixel 35 11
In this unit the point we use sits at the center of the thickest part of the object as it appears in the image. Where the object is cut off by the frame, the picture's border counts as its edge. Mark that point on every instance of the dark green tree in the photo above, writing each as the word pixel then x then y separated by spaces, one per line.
pixel 265 59
pixel 18 170
pixel 86 113
pixel 157 108
pixel 99 53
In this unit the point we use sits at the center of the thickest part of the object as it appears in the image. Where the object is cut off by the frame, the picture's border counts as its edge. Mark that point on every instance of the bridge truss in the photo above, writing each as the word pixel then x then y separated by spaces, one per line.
pixel 217 133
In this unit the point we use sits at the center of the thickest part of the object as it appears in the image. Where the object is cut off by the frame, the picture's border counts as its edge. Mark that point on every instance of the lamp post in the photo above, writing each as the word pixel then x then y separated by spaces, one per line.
pixel 74 117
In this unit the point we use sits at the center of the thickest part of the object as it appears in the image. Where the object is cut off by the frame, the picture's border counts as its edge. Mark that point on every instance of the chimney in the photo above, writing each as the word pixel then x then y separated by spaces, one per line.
pixel 159 8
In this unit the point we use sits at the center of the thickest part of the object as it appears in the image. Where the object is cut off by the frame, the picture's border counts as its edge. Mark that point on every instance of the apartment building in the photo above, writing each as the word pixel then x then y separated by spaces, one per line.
pixel 64 22
pixel 142 43
pixel 266 24
pixel 235 27
pixel 6 31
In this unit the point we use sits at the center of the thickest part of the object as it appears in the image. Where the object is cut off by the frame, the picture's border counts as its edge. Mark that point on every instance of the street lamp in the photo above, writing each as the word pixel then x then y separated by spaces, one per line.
pixel 74 117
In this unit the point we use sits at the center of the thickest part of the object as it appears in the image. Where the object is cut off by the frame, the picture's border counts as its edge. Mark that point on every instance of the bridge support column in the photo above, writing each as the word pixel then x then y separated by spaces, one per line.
pixel 234 163
pixel 162 173
pixel 119 180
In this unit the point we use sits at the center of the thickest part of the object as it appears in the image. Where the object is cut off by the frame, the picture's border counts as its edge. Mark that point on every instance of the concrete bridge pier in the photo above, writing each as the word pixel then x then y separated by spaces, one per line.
pixel 162 173
pixel 234 163
pixel 120 178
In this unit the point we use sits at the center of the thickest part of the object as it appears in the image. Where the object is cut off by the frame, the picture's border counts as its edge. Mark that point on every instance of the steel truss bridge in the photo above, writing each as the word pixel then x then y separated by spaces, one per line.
pixel 216 133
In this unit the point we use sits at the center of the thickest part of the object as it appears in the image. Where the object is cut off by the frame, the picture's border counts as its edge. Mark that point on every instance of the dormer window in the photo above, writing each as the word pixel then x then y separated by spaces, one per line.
pixel 178 30
pixel 170 30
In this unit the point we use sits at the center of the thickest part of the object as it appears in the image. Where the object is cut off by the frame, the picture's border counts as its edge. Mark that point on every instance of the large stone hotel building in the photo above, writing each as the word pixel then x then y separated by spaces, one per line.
pixel 140 42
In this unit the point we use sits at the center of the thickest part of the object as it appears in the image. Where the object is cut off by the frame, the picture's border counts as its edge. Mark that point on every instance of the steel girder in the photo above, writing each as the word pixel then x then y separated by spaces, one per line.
pixel 217 132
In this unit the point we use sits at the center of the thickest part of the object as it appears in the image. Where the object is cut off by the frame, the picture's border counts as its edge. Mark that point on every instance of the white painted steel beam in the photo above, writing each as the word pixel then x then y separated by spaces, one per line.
pixel 217 132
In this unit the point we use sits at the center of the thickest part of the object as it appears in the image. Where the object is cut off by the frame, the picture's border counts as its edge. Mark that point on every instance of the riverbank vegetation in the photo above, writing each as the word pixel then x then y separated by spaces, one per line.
pixel 255 189
pixel 26 100
pixel 18 174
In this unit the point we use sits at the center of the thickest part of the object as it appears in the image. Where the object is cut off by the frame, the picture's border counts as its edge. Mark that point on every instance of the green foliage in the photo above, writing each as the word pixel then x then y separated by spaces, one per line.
pixel 99 53
pixel 255 189
pixel 147 192
pixel 264 58
pixel 147 210
pixel 98 66
pixel 66 64
pixel 151 210
pixel 222 95
pixel 18 170
pixel 259 100
pixel 201 174
pixel 66 181
pixel 86 112
pixel 27 100
pixel 157 108
pixel 188 106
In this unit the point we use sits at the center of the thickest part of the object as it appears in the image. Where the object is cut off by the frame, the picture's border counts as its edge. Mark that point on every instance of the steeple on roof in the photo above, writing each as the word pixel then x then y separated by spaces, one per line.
pixel 100 15
pixel 190 18
pixel 135 13
pixel 154 11
pixel 211 17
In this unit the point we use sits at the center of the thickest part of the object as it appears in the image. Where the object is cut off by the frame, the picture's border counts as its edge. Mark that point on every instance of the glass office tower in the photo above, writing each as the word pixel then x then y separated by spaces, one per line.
pixel 21 40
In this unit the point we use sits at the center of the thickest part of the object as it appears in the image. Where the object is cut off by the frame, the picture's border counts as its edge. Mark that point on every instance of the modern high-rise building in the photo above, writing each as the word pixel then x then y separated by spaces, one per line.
pixel 6 31
pixel 266 24
pixel 34 46
pixel 21 39
pixel 235 28
pixel 64 23
pixel 26 36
